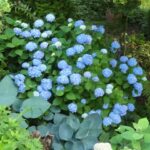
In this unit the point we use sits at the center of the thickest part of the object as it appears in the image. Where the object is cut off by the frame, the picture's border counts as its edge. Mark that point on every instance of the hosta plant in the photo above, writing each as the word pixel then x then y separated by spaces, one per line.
pixel 74 68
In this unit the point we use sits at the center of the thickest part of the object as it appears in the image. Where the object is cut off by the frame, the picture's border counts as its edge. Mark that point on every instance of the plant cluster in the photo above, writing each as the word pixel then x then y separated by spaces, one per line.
pixel 137 138
pixel 72 67
pixel 13 136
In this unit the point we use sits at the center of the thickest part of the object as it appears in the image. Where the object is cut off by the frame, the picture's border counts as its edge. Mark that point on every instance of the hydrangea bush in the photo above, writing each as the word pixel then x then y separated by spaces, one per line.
pixel 73 68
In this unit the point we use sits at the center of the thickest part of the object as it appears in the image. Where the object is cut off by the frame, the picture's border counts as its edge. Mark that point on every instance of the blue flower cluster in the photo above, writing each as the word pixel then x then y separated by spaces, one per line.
pixel 118 112
pixel 84 39
pixel 44 88
pixel 76 49
pixel 19 81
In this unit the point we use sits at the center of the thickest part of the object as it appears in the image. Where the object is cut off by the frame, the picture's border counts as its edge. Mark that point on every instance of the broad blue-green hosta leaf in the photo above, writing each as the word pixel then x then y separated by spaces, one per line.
pixel 73 122
pixel 65 132
pixel 8 91
pixel 57 146
pixel 34 107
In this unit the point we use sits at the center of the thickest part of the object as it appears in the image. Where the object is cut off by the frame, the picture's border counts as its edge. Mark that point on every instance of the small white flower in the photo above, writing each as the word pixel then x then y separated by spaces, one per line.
pixel 104 51
pixel 70 25
pixel 53 54
pixel 18 21
pixel 144 79
pixel 80 59
pixel 24 25
pixel 84 115
pixel 82 27
pixel 102 146
pixel 58 44
pixel 44 35
pixel 108 91
pixel 70 20
pixel 109 86
pixel 36 93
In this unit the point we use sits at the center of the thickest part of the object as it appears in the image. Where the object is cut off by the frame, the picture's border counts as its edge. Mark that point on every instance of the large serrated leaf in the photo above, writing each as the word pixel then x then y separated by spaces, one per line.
pixel 8 91
pixel 34 107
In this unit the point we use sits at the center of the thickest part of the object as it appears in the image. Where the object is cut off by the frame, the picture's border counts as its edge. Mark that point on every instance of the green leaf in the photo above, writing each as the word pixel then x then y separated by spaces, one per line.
pixel 57 102
pixel 60 93
pixel 65 132
pixel 17 41
pixel 65 29
pixel 77 146
pixel 123 128
pixel 8 91
pixel 147 138
pixel 132 135
pixel 9 33
pixel 143 124
pixel 34 107
pixel 71 96
pixel 19 52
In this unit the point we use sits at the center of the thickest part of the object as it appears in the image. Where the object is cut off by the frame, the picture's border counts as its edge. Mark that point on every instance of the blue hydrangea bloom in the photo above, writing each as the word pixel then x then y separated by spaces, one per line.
pixel 80 65
pixel 87 74
pixel 132 62
pixel 31 46
pixel 120 109
pixel 113 63
pixel 44 45
pixel 17 31
pixel 94 55
pixel 72 107
pixel 105 106
pixel 22 88
pixel 46 84
pixel 66 71
pixel 50 17
pixel 124 68
pixel 138 71
pixel 62 79
pixel 78 23
pixel 25 65
pixel 83 101
pixel 87 59
pixel 95 79
pixel 107 121
pixel 116 119
pixel 62 64
pixel 115 45
pixel 42 67
pixel 46 94
pixel 100 29
pixel 99 92
pixel 38 23
pixel 35 33
pixel 84 39
pixel 131 107
pixel 60 88
pixel 138 86
pixel 19 79
pixel 54 40
pixel 75 79
pixel 25 34
pixel 36 62
pixel 136 93
pixel 34 72
pixel 131 78
pixel 78 48
pixel 94 27
pixel 38 55
pixel 70 51
pixel 123 59
pixel 107 72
